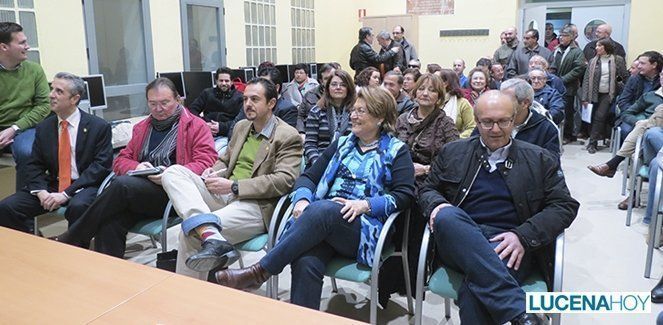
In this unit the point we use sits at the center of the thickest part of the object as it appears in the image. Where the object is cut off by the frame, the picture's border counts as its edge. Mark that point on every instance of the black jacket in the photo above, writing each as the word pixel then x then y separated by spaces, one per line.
pixel 310 99
pixel 94 154
pixel 218 106
pixel 543 203
pixel 396 60
pixel 363 56
pixel 590 49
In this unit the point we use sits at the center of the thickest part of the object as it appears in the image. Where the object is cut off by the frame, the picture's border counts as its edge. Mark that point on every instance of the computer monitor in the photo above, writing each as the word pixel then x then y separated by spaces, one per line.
pixel 177 78
pixel 283 69
pixel 249 73
pixel 313 71
pixel 194 84
pixel 95 92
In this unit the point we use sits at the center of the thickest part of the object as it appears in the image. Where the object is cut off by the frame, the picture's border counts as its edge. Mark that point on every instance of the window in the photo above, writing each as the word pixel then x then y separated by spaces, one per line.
pixel 260 31
pixel 303 31
pixel 119 44
pixel 203 43
pixel 23 13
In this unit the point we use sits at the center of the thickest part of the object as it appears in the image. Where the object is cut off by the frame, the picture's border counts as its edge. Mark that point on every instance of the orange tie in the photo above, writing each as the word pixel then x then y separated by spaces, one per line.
pixel 64 158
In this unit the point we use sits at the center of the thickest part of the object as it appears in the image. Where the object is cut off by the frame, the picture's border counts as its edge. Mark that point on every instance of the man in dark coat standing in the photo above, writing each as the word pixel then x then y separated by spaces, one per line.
pixel 363 55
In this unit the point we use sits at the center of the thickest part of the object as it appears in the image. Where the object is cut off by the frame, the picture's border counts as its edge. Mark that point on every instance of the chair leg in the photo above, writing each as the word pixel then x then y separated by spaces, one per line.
pixel 447 308
pixel 154 242
pixel 625 170
pixel 374 301
pixel 241 261
pixel 334 287
pixel 408 284
pixel 556 319
pixel 36 226
pixel 638 192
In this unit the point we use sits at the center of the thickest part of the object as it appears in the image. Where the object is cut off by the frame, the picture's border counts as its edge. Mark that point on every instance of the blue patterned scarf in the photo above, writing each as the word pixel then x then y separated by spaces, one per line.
pixel 377 180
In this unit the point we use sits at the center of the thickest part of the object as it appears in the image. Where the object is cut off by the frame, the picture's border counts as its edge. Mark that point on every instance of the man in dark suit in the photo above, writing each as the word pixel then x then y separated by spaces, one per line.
pixel 603 31
pixel 71 156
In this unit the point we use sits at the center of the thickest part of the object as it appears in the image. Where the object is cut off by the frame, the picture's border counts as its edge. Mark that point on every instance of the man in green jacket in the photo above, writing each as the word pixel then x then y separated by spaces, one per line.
pixel 24 97
pixel 569 64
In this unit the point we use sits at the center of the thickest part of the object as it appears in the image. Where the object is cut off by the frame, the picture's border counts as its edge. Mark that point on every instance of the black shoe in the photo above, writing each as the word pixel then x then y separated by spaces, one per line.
pixel 526 319
pixel 212 254
pixel 591 147
pixel 657 293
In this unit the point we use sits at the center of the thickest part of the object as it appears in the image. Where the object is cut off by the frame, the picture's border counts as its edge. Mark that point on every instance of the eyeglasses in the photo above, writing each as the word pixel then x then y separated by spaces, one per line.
pixel 359 112
pixel 413 66
pixel 487 125
pixel 337 85
pixel 537 78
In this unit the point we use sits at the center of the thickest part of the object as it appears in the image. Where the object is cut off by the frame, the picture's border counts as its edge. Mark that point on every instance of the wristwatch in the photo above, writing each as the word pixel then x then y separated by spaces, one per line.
pixel 235 188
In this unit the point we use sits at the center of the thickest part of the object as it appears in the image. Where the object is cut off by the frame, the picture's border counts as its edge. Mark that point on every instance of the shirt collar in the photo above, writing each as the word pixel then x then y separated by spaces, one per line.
pixel 74 119
pixel 2 67
pixel 269 127
pixel 497 156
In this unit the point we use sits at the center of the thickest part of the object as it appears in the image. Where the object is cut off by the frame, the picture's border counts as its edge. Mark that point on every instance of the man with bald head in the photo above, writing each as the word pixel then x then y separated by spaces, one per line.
pixel 503 53
pixel 507 201
pixel 603 32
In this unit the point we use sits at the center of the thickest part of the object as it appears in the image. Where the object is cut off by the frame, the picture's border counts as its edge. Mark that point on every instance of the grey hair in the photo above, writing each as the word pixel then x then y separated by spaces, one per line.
pixel 384 35
pixel 521 88
pixel 76 84
pixel 538 70
pixel 398 75
pixel 541 59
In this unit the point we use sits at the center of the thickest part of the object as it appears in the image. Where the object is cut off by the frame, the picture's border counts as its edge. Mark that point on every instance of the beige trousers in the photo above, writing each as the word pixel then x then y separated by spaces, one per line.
pixel 240 220
pixel 628 147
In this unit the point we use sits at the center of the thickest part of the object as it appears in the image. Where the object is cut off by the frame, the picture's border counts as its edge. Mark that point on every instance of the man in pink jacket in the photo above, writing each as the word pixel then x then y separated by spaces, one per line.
pixel 170 135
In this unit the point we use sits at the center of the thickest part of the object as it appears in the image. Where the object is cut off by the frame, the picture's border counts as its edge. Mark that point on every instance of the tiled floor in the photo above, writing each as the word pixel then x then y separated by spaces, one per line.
pixel 602 254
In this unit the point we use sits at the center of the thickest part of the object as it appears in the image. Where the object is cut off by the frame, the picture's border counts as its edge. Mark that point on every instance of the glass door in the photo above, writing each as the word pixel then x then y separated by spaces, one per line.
pixel 204 42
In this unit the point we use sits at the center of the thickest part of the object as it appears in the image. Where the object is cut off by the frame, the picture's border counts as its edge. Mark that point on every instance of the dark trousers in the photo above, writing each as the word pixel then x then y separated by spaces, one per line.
pixel 626 128
pixel 317 235
pixel 127 200
pixel 600 112
pixel 569 116
pixel 22 206
pixel 490 292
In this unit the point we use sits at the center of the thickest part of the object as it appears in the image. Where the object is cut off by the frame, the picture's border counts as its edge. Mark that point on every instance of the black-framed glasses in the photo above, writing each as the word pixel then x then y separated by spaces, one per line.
pixel 503 124
pixel 413 66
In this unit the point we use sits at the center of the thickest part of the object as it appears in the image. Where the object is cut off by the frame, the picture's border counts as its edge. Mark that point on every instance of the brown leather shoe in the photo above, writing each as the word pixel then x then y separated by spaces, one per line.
pixel 603 170
pixel 623 205
pixel 249 278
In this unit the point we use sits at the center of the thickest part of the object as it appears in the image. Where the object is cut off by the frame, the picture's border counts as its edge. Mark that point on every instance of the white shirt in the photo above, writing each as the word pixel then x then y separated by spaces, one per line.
pixel 498 156
pixel 73 120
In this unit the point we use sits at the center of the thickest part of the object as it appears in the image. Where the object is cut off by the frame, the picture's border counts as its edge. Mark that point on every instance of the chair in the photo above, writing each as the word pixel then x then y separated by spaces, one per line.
pixel 615 140
pixel 655 223
pixel 638 173
pixel 349 270
pixel 57 213
pixel 156 228
pixel 445 282
pixel 266 241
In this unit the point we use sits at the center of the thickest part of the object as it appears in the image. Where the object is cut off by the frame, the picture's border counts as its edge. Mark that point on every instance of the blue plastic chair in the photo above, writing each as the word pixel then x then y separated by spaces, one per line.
pixel 445 282
pixel 265 242
pixel 349 270
pixel 155 229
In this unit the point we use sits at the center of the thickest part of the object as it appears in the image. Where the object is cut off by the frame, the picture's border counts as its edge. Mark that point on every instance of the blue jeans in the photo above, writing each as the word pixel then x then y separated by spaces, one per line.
pixel 490 292
pixel 626 129
pixel 21 151
pixel 316 236
pixel 652 142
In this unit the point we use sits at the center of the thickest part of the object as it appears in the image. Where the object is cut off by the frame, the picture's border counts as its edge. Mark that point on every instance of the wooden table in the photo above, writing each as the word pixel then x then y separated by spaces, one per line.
pixel 42 281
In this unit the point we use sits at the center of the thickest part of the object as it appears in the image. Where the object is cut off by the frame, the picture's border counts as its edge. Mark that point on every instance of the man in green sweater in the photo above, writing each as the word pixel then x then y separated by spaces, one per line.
pixel 23 97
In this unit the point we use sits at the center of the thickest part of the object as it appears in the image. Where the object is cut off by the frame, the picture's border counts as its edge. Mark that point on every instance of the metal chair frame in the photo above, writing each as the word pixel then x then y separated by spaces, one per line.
pixel 421 287
pixel 375 270
pixel 635 183
pixel 655 222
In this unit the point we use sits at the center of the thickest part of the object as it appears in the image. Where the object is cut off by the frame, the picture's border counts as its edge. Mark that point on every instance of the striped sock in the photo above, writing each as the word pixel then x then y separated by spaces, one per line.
pixel 206 232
